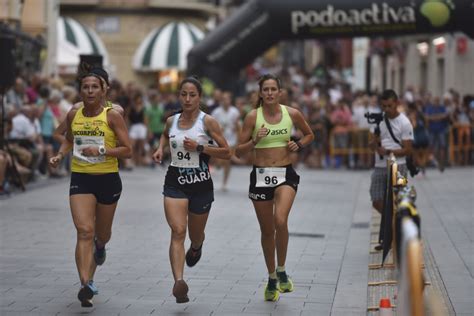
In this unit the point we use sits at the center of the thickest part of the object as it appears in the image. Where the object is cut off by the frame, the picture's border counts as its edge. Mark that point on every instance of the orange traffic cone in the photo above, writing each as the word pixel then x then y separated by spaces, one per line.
pixel 385 307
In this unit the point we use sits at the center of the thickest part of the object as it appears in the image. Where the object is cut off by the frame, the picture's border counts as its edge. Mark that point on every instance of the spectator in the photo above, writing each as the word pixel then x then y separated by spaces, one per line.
pixel 420 133
pixel 437 117
pixel 138 129
pixel 341 120
pixel 228 118
pixel 16 97
pixel 155 118
pixel 400 145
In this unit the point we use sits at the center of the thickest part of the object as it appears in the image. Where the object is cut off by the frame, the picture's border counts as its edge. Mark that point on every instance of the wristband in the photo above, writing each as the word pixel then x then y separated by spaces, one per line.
pixel 300 146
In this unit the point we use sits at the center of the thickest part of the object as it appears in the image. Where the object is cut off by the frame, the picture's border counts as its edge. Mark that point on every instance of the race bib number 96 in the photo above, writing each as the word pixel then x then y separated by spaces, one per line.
pixel 270 177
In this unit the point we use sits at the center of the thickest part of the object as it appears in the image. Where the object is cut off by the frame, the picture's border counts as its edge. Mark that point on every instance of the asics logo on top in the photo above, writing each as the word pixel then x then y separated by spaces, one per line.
pixel 274 132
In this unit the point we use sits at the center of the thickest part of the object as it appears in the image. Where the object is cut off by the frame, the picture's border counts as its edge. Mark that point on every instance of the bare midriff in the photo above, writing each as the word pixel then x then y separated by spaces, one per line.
pixel 271 157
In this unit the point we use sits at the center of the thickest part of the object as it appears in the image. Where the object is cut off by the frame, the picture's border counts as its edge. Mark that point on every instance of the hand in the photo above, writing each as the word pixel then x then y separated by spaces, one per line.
pixel 382 151
pixel 55 160
pixel 261 133
pixel 158 155
pixel 91 151
pixel 189 144
pixel 293 146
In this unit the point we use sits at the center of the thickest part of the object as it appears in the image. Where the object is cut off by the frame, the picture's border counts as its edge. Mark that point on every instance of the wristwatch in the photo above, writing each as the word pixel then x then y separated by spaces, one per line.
pixel 200 148
pixel 102 150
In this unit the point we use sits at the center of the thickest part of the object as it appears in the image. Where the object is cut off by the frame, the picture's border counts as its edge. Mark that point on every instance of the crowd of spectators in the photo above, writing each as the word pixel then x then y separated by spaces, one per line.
pixel 443 126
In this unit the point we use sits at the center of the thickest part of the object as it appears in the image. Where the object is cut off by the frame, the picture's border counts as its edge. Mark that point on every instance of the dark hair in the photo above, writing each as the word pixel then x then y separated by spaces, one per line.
pixel 86 70
pixel 261 80
pixel 266 77
pixel 389 94
pixel 192 80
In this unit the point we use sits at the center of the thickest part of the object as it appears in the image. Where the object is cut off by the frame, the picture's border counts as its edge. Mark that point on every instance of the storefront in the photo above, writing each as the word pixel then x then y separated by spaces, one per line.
pixel 163 53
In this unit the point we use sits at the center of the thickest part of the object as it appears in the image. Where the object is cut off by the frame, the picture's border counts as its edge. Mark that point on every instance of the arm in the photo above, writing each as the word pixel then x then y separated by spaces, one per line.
pixel 164 141
pixel 246 143
pixel 406 149
pixel 215 131
pixel 66 141
pixel 119 109
pixel 117 124
pixel 301 124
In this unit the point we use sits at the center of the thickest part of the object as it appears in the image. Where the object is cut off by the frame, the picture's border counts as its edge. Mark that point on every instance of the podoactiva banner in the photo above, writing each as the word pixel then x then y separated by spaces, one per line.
pixel 258 24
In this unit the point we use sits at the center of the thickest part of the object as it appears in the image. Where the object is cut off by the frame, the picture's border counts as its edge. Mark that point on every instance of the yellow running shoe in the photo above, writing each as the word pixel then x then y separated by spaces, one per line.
pixel 271 290
pixel 285 283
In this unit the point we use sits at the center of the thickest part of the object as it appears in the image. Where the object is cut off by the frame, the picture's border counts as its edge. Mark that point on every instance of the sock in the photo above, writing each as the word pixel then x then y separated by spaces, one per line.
pixel 280 269
pixel 272 275
pixel 196 249
pixel 98 245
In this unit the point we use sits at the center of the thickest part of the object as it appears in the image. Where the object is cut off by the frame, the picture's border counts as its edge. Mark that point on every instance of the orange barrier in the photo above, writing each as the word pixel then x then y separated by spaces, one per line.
pixel 455 147
pixel 358 143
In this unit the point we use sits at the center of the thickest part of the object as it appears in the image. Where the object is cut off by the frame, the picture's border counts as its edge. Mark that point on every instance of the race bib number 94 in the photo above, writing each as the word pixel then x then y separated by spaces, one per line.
pixel 270 177
pixel 182 158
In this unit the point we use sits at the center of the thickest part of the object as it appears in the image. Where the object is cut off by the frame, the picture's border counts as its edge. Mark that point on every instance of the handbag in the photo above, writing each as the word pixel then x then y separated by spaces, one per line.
pixel 410 163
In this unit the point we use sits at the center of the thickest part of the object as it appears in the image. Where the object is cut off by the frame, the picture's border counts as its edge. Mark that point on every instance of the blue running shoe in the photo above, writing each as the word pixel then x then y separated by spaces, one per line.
pixel 85 295
pixel 99 254
pixel 93 287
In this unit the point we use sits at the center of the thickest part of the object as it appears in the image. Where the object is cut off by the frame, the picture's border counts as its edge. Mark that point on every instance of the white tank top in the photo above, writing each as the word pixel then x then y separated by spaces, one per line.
pixel 180 157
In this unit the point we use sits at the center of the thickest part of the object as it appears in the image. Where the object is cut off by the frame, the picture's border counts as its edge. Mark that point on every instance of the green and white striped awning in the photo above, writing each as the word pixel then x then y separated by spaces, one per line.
pixel 74 39
pixel 166 47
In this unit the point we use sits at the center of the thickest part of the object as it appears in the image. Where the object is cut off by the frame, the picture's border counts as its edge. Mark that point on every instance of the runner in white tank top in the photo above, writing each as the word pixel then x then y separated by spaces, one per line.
pixel 188 190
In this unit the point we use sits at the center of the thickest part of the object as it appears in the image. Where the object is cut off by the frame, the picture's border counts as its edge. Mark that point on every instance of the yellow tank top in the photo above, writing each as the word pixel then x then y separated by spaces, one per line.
pixel 92 131
pixel 279 134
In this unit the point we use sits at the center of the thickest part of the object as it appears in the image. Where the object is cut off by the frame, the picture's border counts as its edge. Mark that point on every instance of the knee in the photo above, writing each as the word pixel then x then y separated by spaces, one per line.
pixel 281 224
pixel 178 233
pixel 268 232
pixel 378 205
pixel 85 232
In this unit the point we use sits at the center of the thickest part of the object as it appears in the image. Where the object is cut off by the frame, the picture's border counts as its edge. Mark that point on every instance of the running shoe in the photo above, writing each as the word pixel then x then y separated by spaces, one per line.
pixel 193 256
pixel 99 254
pixel 271 290
pixel 285 284
pixel 85 295
pixel 93 287
pixel 180 291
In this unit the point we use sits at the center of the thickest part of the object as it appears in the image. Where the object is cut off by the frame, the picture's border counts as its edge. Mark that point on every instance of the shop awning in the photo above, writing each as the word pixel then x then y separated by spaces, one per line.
pixel 166 47
pixel 73 40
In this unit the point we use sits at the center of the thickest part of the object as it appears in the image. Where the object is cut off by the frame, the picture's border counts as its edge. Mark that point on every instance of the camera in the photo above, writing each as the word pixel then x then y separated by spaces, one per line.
pixel 374 118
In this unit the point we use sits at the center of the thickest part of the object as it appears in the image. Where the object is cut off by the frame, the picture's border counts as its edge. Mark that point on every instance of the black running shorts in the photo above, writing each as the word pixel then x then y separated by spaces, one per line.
pixel 106 187
pixel 198 203
pixel 267 193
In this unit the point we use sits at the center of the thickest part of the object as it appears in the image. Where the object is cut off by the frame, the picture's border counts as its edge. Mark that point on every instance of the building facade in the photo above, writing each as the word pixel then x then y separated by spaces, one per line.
pixel 123 25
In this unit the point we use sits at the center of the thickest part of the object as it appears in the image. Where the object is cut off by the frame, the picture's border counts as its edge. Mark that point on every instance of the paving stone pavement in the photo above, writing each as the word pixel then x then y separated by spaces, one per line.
pixel 327 258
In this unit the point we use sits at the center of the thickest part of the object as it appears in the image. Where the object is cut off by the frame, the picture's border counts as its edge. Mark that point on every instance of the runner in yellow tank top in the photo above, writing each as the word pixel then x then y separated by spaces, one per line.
pixel 98 136
pixel 266 132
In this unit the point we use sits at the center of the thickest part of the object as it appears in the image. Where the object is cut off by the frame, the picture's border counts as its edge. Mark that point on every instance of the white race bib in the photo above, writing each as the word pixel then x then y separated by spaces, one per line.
pixel 270 177
pixel 182 158
pixel 80 142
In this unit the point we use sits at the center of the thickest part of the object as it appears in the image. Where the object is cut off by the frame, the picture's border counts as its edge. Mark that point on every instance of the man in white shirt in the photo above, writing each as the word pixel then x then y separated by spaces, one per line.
pixel 26 132
pixel 384 144
pixel 228 117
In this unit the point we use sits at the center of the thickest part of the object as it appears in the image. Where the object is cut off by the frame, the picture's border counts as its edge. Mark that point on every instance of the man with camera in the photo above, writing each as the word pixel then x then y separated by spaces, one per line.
pixel 393 134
